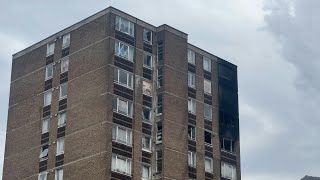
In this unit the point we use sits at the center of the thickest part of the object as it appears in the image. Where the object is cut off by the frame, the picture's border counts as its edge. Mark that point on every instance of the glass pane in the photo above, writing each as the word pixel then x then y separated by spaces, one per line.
pixel 123 50
pixel 45 125
pixel 62 118
pixel 49 71
pixel 63 90
pixel 131 53
pixel 47 98
pixel 113 163
pixel 207 86
pixel 207 111
pixel 147 60
pixel 66 40
pixel 145 172
pixel 64 65
pixel 123 77
pixel 122 135
pixel 146 114
pixel 121 164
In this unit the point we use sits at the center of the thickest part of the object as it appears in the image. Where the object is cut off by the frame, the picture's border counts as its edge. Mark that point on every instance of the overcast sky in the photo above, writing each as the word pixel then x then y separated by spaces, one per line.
pixel 275 44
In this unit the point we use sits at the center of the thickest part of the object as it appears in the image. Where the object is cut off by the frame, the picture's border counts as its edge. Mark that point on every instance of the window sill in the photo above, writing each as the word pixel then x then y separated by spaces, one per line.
pixel 208 119
pixel 123 57
pixel 125 33
pixel 61 98
pixel 209 94
pixel 147 121
pixel 123 85
pixel 192 113
pixel 193 87
pixel 146 150
pixel 229 152
pixel 60 154
pixel 64 47
pixel 62 125
pixel 192 139
pixel 122 114
pixel 121 143
pixel 43 159
pixel 43 132
pixel 147 67
pixel 64 72
pixel 48 78
pixel 207 144
pixel 121 172
pixel 147 42
pixel 50 54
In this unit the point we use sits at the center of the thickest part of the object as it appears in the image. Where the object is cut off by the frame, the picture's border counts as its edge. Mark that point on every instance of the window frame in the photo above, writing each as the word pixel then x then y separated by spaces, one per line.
pixel 116 169
pixel 145 40
pixel 128 134
pixel 150 114
pixel 44 97
pixel 42 158
pixel 193 134
pixel 206 59
pixel 46 76
pixel 211 164
pixel 148 149
pixel 144 88
pixel 231 146
pixel 149 170
pixel 233 170
pixel 192 159
pixel 67 43
pixel 191 57
pixel 129 48
pixel 208 144
pixel 204 86
pixel 130 24
pixel 159 78
pixel 48 126
pixel 60 142
pixel 192 106
pixel 151 60
pixel 129 78
pixel 204 111
pixel 191 78
pixel 65 119
pixel 60 91
pixel 129 112
pixel 65 59
pixel 45 173
pixel 48 48
pixel 57 173
pixel 159 105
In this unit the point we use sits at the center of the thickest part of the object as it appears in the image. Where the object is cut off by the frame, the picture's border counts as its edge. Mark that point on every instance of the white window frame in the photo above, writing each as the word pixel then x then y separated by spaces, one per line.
pixel 128 170
pixel 125 22
pixel 192 105
pixel 48 92
pixel 43 157
pixel 63 62
pixel 206 66
pixel 191 57
pixel 209 144
pixel 193 135
pixel 56 174
pixel 46 119
pixel 151 60
pixel 115 135
pixel 228 167
pixel 45 174
pixel 47 67
pixel 129 78
pixel 61 96
pixel 191 80
pixel 130 49
pixel 143 139
pixel 192 159
pixel 208 169
pixel 144 39
pixel 204 111
pixel 149 170
pixel 60 146
pixel 50 48
pixel 129 106
pixel 59 117
pixel 66 39
pixel 231 144
pixel 207 83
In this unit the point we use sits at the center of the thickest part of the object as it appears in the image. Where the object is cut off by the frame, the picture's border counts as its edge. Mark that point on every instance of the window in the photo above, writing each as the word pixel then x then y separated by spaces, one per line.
pixel 159 133
pixel 146 143
pixel 124 26
pixel 121 164
pixel 45 124
pixel 146 114
pixel 160 53
pixel 49 71
pixel 228 171
pixel 159 78
pixel 47 98
pixel 43 176
pixel 59 174
pixel 122 135
pixel 62 118
pixel 192 106
pixel 191 57
pixel 192 159
pixel 123 50
pixel 65 64
pixel 146 88
pixel 159 160
pixel 208 165
pixel 66 41
pixel 60 146
pixel 191 80
pixel 227 145
pixel 159 104
pixel 207 86
pixel 147 60
pixel 207 138
pixel 206 64
pixel 44 152
pixel 63 91
pixel 192 132
pixel 123 77
pixel 122 106
pixel 50 49
pixel 146 172
pixel 147 36
pixel 207 111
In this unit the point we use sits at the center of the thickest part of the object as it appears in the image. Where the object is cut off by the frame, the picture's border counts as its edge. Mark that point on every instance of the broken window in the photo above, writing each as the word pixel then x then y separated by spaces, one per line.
pixel 147 60
pixel 44 152
pixel 123 50
pixel 192 132
pixel 146 88
pixel 192 105
pixel 207 137
pixel 147 36
pixel 146 114
pixel 146 143
pixel 124 26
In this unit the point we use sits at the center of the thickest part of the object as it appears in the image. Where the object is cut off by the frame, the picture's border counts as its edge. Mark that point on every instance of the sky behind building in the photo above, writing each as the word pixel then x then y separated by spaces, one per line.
pixel 273 42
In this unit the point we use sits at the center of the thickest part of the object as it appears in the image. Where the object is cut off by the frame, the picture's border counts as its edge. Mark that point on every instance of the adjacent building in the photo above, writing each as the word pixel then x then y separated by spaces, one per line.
pixel 113 97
